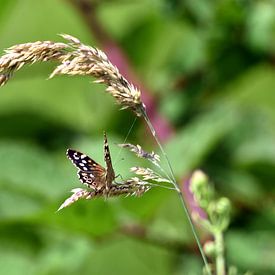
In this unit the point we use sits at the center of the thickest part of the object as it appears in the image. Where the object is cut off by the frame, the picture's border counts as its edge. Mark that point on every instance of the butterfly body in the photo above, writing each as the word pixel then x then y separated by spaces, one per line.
pixel 90 172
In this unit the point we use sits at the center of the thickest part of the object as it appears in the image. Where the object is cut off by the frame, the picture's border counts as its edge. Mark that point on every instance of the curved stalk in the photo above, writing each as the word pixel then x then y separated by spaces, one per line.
pixel 153 132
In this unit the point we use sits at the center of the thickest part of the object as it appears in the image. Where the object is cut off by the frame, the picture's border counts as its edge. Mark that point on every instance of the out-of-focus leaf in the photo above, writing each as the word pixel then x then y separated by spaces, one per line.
pixel 242 187
pixel 14 205
pixel 154 52
pixel 254 90
pixel 173 105
pixel 170 223
pixel 63 253
pixel 94 217
pixel 57 252
pixel 19 245
pixel 30 170
pixel 252 249
pixel 145 207
pixel 15 263
pixel 190 51
pixel 266 215
pixel 72 102
pixel 192 144
pixel 162 59
pixel 189 265
pixel 259 148
pixel 202 10
pixel 30 179
pixel 126 256
pixel 132 12
pixel 260 26
pixel 6 8
pixel 63 19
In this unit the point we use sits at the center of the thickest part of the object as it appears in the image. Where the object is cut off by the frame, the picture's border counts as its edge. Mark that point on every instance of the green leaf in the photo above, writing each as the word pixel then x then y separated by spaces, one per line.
pixel 242 187
pixel 170 224
pixel 30 170
pixel 126 256
pixel 254 90
pixel 63 19
pixel 71 102
pixel 192 144
pixel 260 26
pixel 251 250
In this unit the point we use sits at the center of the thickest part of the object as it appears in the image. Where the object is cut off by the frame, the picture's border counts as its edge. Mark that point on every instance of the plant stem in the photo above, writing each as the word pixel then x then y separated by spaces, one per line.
pixel 146 118
pixel 220 263
pixel 195 233
pixel 152 129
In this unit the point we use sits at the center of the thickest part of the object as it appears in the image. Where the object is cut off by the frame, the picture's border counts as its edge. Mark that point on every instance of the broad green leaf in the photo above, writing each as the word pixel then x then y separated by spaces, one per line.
pixel 72 102
pixel 260 26
pixel 129 256
pixel 170 223
pixel 252 250
pixel 191 145
pixel 190 265
pixel 132 12
pixel 241 186
pixel 63 253
pixel 15 205
pixel 254 90
pixel 30 170
pixel 63 19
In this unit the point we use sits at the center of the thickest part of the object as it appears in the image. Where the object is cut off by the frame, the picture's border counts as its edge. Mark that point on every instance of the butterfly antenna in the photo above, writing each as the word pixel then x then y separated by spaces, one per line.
pixel 130 130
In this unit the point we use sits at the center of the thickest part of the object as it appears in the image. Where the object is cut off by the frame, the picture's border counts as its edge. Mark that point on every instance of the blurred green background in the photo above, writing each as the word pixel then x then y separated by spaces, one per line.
pixel 209 66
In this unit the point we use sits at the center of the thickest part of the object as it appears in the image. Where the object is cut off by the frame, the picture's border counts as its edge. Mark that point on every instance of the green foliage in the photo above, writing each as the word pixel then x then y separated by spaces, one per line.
pixel 211 66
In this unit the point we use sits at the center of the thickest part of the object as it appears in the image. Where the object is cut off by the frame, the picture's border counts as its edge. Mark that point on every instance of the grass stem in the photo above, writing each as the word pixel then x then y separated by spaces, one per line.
pixel 151 127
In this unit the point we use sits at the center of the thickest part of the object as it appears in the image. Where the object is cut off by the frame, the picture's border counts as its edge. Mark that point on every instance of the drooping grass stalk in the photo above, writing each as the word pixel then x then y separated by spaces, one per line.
pixel 76 58
pixel 154 134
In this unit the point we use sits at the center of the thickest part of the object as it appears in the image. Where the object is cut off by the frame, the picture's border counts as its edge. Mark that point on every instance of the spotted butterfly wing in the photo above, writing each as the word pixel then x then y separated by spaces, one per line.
pixel 110 174
pixel 89 172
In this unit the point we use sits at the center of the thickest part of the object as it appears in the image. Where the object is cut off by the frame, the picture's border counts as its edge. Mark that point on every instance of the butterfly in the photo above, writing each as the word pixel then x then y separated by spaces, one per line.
pixel 90 172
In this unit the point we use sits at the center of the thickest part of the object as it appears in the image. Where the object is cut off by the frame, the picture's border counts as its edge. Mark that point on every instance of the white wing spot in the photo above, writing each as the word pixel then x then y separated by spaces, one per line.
pixel 76 156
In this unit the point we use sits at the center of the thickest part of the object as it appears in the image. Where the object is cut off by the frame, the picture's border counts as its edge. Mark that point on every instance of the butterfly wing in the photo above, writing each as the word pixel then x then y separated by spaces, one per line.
pixel 89 172
pixel 110 174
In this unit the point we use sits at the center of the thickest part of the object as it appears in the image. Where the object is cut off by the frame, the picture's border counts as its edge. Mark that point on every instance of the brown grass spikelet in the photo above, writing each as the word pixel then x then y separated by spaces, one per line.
pixel 86 60
pixel 17 56
pixel 137 149
pixel 75 58
pixel 149 174
pixel 132 187
pixel 3 79
pixel 78 193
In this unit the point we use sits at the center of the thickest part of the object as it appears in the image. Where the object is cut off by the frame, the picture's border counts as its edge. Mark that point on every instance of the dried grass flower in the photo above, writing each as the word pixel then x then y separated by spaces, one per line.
pixel 17 56
pixel 86 60
pixel 153 157
pixel 148 174
pixel 132 187
pixel 75 59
